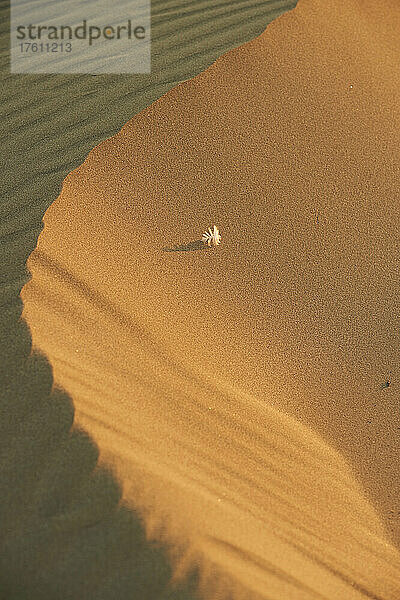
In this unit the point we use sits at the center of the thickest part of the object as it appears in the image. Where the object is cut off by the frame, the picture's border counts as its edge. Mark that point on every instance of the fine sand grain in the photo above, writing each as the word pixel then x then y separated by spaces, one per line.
pixel 238 391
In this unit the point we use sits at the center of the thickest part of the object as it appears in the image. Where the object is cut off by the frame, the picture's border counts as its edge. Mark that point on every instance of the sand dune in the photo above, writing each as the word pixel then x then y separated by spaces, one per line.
pixel 237 391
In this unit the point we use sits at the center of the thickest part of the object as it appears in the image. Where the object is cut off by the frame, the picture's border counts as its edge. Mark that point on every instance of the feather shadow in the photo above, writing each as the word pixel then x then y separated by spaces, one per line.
pixel 189 247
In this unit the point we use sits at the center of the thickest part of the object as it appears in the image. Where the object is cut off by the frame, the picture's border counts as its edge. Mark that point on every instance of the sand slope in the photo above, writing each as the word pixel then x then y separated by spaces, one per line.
pixel 183 363
pixel 47 467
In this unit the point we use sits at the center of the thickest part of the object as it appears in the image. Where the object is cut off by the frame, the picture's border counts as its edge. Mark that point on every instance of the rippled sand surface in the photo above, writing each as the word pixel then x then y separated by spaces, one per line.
pixel 237 391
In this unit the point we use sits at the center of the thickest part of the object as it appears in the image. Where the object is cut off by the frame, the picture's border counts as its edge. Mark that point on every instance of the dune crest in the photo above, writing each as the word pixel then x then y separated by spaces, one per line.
pixel 237 390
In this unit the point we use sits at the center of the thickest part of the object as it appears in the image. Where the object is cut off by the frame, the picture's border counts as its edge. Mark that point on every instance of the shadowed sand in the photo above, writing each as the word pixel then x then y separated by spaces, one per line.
pixel 241 389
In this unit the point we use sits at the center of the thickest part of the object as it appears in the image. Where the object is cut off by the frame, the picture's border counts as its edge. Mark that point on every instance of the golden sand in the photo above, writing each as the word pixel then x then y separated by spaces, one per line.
pixel 237 390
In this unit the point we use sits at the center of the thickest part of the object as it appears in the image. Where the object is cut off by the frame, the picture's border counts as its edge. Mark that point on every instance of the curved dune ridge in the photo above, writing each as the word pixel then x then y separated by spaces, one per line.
pixel 237 391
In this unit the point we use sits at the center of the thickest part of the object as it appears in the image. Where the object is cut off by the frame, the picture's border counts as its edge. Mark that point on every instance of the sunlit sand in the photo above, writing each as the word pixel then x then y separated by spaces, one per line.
pixel 237 390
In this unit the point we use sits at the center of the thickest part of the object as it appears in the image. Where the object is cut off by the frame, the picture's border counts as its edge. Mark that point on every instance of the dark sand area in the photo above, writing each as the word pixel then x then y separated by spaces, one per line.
pixel 237 392
pixel 63 532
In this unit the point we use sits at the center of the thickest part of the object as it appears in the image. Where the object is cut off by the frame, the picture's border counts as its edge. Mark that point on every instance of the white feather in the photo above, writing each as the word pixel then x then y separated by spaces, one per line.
pixel 212 237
